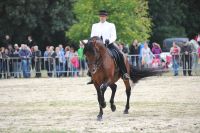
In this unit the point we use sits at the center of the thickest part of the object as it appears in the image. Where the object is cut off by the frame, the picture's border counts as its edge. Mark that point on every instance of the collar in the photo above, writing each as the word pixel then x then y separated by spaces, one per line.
pixel 103 22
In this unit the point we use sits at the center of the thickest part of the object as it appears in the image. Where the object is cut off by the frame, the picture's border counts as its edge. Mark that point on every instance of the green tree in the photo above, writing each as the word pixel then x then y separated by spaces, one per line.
pixel 168 19
pixel 43 19
pixel 130 17
pixel 192 20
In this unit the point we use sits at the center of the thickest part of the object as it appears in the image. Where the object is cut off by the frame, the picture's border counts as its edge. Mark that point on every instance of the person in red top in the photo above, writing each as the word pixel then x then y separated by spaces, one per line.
pixel 199 53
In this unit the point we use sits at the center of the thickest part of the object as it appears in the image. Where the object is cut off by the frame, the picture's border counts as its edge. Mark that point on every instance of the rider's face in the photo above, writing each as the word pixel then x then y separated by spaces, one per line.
pixel 102 18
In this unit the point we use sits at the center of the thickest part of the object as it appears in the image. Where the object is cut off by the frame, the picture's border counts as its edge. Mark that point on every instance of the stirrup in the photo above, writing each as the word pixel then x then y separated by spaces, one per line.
pixel 126 76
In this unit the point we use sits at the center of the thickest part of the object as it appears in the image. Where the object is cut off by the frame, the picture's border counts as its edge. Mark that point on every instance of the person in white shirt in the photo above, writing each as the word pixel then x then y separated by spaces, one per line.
pixel 107 32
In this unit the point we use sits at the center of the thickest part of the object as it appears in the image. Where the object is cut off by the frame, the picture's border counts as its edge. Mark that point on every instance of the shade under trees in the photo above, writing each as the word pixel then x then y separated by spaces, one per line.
pixel 56 21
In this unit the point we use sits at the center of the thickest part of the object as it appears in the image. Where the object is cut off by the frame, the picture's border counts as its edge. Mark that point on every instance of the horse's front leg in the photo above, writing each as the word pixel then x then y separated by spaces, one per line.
pixel 103 88
pixel 102 104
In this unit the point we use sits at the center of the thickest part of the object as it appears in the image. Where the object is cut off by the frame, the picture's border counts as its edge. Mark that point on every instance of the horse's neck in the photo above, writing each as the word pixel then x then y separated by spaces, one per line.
pixel 103 51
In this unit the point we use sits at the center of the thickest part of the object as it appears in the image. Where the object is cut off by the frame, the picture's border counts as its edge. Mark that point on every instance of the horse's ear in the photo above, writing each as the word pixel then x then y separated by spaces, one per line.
pixel 84 42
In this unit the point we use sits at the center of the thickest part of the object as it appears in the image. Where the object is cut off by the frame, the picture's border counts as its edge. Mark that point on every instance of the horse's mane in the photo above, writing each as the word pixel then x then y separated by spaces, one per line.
pixel 89 47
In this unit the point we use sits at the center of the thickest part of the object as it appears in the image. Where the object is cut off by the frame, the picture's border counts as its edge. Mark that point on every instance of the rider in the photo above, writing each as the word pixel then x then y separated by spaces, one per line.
pixel 107 32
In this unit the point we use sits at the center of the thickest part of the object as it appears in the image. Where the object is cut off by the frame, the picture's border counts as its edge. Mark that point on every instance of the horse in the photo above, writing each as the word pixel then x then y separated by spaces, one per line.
pixel 105 73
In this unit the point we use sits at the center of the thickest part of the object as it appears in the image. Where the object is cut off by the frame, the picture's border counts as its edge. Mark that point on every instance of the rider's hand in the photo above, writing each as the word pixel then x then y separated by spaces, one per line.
pixel 107 42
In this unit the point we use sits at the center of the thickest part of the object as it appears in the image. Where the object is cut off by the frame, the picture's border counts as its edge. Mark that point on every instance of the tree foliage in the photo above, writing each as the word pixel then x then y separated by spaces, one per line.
pixel 174 18
pixel 49 20
pixel 192 20
pixel 43 19
pixel 130 17
pixel 167 19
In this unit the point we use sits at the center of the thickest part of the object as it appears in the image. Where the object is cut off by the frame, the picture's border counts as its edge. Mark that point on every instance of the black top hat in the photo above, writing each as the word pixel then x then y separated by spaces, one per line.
pixel 103 13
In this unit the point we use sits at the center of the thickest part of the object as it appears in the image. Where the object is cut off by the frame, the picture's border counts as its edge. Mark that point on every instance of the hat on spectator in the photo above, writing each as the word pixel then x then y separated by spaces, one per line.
pixel 16 45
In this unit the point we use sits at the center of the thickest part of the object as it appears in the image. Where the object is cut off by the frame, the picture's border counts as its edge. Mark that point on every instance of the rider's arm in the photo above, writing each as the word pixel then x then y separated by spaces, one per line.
pixel 93 31
pixel 113 35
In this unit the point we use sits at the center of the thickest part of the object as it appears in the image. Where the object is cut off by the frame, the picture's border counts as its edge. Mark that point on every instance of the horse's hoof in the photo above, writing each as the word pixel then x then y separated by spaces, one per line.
pixel 126 111
pixel 113 108
pixel 103 105
pixel 99 117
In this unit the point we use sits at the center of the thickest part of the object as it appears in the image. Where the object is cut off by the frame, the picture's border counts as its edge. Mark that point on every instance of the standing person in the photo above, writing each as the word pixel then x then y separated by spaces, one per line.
pixel 1 62
pixel 37 59
pixel 31 44
pixel 62 59
pixel 147 56
pixel 197 38
pixel 194 46
pixel 67 51
pixel 71 54
pixel 186 52
pixel 16 62
pixel 140 48
pixel 46 56
pixel 61 49
pixel 122 48
pixel 10 62
pixel 107 32
pixel 81 57
pixel 199 54
pixel 156 50
pixel 51 61
pixel 32 60
pixel 134 52
pixel 75 64
pixel 57 57
pixel 25 54
pixel 59 61
pixel 175 52
pixel 4 62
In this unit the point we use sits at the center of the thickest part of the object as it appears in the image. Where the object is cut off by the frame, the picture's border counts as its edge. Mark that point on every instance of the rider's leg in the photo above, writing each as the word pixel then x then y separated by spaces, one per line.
pixel 120 62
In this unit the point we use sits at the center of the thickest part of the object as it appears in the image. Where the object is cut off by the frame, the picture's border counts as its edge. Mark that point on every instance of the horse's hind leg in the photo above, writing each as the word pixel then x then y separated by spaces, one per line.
pixel 112 105
pixel 128 93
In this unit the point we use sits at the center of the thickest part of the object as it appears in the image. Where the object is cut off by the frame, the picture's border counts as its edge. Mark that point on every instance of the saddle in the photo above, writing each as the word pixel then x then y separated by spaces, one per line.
pixel 114 54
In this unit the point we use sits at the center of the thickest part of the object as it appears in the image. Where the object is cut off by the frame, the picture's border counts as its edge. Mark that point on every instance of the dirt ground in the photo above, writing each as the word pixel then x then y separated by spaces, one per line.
pixel 158 104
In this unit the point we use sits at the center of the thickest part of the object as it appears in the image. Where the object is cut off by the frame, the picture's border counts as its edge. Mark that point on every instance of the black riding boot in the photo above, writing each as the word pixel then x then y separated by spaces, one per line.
pixel 122 67
pixel 120 61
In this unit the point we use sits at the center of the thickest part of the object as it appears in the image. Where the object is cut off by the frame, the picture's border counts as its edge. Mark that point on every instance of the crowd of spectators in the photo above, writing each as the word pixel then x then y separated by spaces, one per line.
pixel 20 60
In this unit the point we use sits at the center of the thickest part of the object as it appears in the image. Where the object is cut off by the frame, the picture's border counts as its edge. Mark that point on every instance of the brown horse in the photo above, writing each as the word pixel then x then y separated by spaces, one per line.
pixel 105 73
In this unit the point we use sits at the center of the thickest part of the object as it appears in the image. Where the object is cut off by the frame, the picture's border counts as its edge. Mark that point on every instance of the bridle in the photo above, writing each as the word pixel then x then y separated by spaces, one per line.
pixel 96 64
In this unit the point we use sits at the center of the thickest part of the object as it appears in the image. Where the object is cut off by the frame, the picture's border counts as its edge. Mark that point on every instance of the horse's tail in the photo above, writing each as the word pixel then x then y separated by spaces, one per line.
pixel 138 73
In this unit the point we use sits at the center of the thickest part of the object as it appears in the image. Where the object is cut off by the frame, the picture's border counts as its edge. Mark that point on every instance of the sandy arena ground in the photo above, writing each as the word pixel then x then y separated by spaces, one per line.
pixel 158 104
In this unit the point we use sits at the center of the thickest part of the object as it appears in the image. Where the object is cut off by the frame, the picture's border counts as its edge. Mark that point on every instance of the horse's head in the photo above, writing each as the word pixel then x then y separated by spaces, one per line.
pixel 93 45
pixel 93 50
